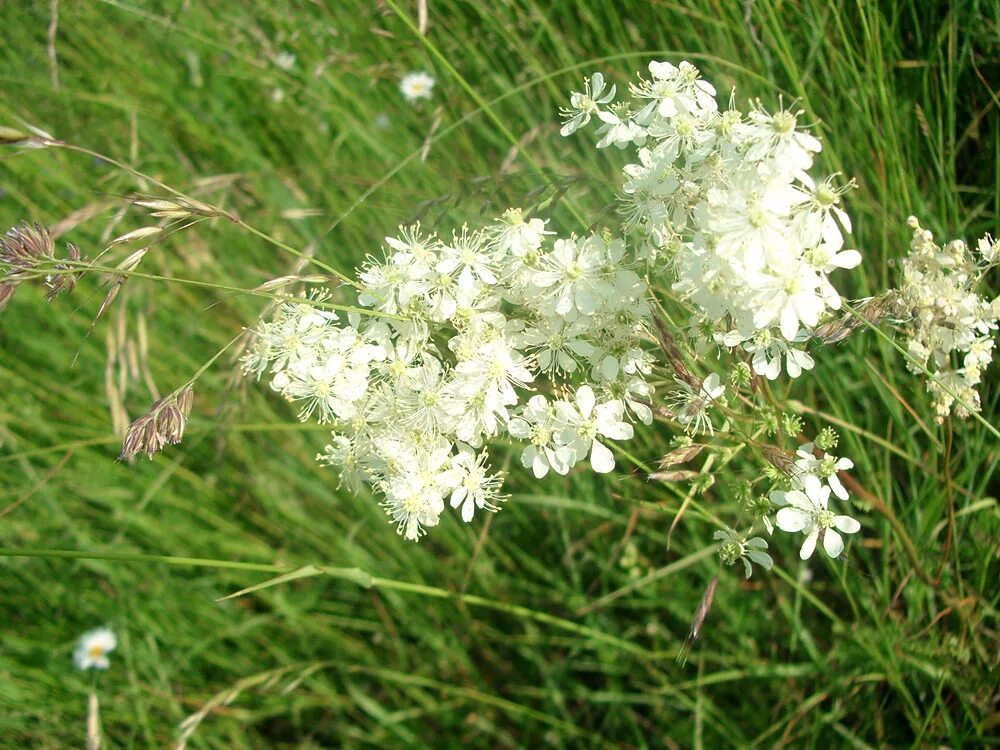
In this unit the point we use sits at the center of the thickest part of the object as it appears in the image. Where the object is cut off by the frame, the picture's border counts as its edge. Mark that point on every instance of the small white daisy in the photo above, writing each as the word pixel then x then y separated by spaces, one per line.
pixel 285 60
pixel 93 648
pixel 414 86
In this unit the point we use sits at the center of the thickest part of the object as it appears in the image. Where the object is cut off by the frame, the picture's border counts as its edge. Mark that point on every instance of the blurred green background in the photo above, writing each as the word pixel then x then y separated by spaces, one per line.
pixel 574 610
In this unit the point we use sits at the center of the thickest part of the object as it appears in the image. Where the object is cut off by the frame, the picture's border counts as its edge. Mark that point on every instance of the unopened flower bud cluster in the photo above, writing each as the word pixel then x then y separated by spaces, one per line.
pixel 950 333
pixel 494 334
pixel 725 199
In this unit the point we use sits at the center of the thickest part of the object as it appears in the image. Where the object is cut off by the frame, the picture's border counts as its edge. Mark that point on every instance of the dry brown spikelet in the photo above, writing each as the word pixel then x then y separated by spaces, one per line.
pixel 163 425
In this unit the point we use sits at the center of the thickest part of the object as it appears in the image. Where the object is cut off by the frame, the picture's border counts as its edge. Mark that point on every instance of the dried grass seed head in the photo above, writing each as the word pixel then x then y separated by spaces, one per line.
pixel 22 247
pixel 163 425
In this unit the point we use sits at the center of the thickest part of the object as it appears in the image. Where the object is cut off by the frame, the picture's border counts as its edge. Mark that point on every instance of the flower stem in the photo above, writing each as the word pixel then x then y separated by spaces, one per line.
pixel 93 722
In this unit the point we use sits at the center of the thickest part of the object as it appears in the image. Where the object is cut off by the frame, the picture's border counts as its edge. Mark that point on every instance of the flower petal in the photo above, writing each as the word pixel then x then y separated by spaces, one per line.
pixel 617 430
pixel 808 546
pixel 792 519
pixel 833 543
pixel 846 524
pixel 601 459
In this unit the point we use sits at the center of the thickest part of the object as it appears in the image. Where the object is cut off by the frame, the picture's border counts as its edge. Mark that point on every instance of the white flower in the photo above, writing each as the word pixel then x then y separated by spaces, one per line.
pixel 585 424
pixel 807 512
pixel 285 60
pixel 415 493
pixel 636 394
pixel 498 368
pixel 583 105
pixel 948 319
pixel 476 488
pixel 425 402
pixel 557 344
pixel 93 648
pixel 648 187
pixel 348 455
pixel 441 295
pixel 789 298
pixel 467 252
pixel 690 408
pixel 989 249
pixel 777 138
pixel 571 277
pixel 619 130
pixel 768 351
pixel 517 236
pixel 416 86
pixel 537 423
pixel 674 89
pixel 824 468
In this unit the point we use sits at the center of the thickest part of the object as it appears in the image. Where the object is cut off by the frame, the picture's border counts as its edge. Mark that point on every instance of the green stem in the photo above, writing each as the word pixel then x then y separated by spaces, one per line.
pixel 298 253
pixel 198 562
pixel 76 267
pixel 352 574
pixel 222 214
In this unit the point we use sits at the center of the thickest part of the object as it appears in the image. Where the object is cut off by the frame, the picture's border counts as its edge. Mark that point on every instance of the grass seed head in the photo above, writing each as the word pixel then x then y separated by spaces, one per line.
pixel 163 425
pixel 6 293
pixel 25 246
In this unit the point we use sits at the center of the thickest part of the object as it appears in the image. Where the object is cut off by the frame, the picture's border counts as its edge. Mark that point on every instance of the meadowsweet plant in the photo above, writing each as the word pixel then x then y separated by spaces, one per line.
pixel 949 331
pixel 499 334
pixel 513 334
pixel 724 203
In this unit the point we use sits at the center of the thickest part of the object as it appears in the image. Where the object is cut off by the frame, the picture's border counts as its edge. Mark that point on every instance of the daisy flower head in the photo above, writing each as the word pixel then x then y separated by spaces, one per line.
pixel 93 648
pixel 285 60
pixel 416 85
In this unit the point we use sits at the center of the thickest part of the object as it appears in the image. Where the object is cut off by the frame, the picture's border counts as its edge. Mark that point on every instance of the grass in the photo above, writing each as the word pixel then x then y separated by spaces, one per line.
pixel 529 630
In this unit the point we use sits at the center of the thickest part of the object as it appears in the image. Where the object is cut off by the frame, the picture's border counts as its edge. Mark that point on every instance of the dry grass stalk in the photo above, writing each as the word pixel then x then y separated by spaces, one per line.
pixel 673 354
pixel 783 461
pixel 873 310
pixel 699 619
pixel 93 722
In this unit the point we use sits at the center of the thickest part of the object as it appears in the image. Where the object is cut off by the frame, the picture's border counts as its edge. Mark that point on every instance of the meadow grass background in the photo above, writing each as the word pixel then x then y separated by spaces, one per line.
pixel 574 608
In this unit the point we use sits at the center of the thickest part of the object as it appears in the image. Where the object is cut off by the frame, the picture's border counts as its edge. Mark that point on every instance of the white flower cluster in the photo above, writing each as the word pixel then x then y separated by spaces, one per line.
pixel 725 199
pixel 467 327
pixel 950 333
pixel 807 505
